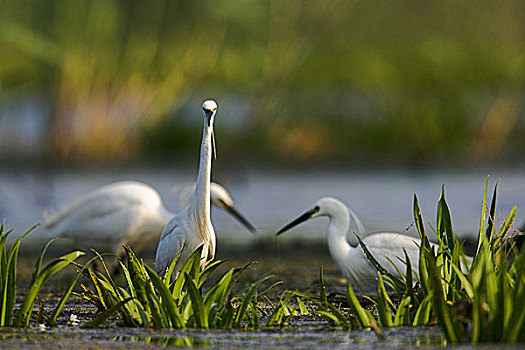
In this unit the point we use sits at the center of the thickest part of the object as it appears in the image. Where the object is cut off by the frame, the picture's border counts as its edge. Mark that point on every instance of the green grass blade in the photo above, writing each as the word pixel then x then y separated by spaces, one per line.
pixel 477 320
pixel 168 303
pixel 218 293
pixel 419 223
pixel 201 316
pixel 509 220
pixel 160 319
pixel 209 270
pixel 385 316
pixel 127 276
pixel 255 316
pixel 52 319
pixel 130 311
pixel 465 284
pixel 501 294
pixel 402 316
pixel 443 311
pixel 356 308
pixel 226 316
pixel 303 310
pixel 247 299
pixel 482 236
pixel 9 286
pixel 138 279
pixel 409 282
pixel 106 314
pixel 330 311
pixel 322 288
pixel 396 282
pixel 277 314
pixel 9 267
pixel 422 316
pixel 444 220
pixel 38 263
pixel 189 268
pixel 196 259
pixel 489 232
pixel 517 323
pixel 423 271
pixel 22 316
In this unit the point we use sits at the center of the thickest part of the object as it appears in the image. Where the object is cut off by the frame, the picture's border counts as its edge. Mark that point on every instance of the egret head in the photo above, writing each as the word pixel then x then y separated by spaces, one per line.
pixel 325 206
pixel 222 199
pixel 219 196
pixel 210 108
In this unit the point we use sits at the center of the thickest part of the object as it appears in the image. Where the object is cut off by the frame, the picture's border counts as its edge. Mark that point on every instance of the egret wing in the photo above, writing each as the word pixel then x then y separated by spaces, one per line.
pixel 104 201
pixel 171 243
pixel 387 249
pixel 100 222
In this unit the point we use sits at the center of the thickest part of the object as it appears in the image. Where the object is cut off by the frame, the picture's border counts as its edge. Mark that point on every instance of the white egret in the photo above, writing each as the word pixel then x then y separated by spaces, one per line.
pixel 125 212
pixel 352 261
pixel 192 226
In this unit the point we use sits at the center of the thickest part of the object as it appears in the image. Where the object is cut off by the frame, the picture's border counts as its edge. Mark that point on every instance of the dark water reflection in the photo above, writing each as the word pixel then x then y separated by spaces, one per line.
pixel 303 337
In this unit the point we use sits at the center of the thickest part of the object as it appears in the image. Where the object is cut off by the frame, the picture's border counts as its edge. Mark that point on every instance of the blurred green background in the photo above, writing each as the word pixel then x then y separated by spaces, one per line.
pixel 348 82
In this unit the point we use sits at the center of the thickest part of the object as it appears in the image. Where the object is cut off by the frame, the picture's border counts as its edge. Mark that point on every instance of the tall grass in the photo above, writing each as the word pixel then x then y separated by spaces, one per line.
pixel 8 270
pixel 478 299
pixel 493 288
pixel 149 299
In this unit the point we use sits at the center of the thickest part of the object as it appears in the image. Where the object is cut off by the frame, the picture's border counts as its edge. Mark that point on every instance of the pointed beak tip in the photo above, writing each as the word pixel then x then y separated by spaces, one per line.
pixel 240 218
pixel 297 221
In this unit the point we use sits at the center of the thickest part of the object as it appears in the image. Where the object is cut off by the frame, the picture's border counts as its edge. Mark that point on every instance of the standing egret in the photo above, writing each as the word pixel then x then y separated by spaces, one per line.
pixel 192 226
pixel 125 212
pixel 352 261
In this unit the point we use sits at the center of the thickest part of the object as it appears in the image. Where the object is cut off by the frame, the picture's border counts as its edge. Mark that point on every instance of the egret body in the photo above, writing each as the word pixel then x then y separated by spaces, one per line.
pixel 125 212
pixel 192 226
pixel 352 261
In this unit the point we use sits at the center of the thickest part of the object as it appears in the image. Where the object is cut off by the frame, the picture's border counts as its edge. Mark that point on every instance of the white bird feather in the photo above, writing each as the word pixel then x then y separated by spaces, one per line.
pixel 386 248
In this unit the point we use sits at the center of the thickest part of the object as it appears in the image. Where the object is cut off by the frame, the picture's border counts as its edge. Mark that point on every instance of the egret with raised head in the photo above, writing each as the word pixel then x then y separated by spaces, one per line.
pixel 386 248
pixel 192 227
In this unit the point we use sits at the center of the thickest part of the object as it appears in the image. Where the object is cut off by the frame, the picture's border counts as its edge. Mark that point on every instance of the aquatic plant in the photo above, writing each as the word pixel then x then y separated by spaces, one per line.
pixel 475 300
pixel 485 303
pixel 149 299
pixel 8 270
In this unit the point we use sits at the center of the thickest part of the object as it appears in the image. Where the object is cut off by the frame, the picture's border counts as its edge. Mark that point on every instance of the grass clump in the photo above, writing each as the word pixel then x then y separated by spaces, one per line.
pixel 8 270
pixel 149 300
pixel 473 299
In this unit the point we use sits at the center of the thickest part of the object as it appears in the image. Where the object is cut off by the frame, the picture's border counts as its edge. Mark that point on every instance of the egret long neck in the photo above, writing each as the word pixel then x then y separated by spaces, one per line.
pixel 337 229
pixel 201 198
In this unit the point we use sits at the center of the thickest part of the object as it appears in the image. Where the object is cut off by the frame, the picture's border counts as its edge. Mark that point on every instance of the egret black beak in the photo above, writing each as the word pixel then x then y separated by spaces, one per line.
pixel 209 114
pixel 233 212
pixel 300 219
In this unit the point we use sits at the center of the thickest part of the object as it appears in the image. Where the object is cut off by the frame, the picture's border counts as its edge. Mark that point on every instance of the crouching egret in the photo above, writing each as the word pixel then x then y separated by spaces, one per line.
pixel 192 226
pixel 124 212
pixel 352 261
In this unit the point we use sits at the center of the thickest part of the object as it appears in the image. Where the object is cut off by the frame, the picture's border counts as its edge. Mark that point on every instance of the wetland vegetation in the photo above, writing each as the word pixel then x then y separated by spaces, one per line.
pixel 300 84
pixel 473 302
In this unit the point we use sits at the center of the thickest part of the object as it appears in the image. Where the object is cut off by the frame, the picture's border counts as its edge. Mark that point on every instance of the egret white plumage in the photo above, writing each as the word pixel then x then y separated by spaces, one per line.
pixel 192 226
pixel 124 212
pixel 352 261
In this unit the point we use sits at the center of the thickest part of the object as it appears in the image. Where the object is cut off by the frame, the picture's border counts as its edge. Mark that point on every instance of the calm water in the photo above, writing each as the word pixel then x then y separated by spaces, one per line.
pixel 382 199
